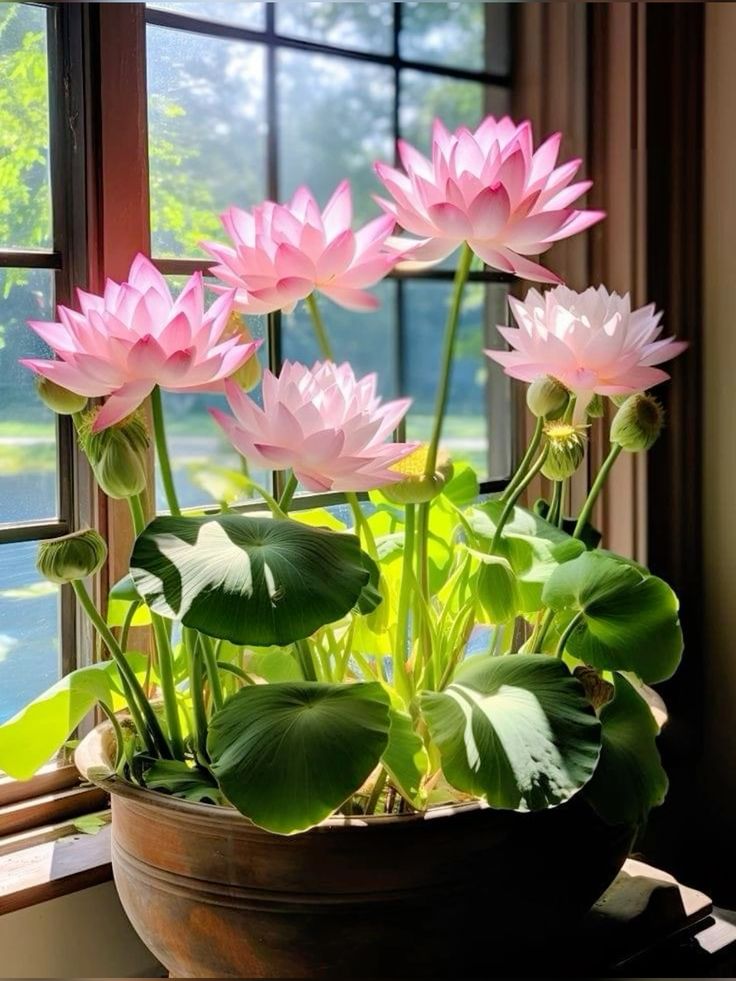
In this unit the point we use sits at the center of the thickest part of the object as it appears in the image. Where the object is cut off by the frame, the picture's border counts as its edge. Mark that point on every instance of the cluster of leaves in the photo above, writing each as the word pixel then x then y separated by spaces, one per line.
pixel 306 623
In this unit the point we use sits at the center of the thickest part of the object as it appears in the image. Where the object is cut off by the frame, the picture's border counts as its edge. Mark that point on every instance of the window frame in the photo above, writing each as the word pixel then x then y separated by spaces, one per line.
pixel 68 259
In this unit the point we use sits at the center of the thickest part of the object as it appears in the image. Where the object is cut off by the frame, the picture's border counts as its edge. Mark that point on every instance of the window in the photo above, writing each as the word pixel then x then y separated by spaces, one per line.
pixel 249 100
pixel 244 101
pixel 37 268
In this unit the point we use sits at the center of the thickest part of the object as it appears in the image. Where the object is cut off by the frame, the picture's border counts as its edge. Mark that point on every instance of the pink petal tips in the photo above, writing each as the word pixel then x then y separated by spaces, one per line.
pixel 489 189
pixel 280 253
pixel 136 336
pixel 325 424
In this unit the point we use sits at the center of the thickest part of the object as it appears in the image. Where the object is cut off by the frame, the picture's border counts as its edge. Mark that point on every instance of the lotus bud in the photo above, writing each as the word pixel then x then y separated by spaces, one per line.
pixel 638 423
pixel 117 455
pixel 546 396
pixel 595 408
pixel 566 449
pixel 249 374
pixel 72 557
pixel 416 487
pixel 59 399
pixel 618 400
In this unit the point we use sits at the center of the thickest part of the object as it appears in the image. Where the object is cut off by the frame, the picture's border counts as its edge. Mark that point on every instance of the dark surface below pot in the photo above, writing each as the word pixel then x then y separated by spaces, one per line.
pixel 451 893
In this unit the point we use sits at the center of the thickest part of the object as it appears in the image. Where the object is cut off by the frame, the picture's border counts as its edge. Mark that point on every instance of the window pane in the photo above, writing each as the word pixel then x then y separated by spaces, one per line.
pixel 425 96
pixel 25 203
pixel 27 428
pixel 362 26
pixel 29 633
pixel 335 119
pixel 450 33
pixel 207 134
pixel 249 14
pixel 366 340
pixel 477 393
pixel 197 445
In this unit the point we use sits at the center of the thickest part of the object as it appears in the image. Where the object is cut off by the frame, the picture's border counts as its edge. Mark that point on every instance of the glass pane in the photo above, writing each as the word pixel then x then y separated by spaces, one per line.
pixel 27 427
pixel 25 197
pixel 425 96
pixel 366 340
pixel 196 443
pixel 335 119
pixel 29 633
pixel 477 393
pixel 445 33
pixel 362 26
pixel 207 134
pixel 249 14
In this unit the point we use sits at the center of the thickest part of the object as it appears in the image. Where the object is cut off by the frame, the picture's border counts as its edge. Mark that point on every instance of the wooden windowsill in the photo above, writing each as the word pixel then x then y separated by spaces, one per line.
pixel 53 868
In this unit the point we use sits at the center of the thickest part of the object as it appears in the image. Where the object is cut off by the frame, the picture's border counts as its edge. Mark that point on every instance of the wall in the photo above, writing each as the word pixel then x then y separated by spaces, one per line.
pixel 719 470
pixel 84 935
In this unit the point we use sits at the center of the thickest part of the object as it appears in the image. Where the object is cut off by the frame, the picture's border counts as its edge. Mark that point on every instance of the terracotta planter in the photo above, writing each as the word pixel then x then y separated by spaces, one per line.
pixel 432 895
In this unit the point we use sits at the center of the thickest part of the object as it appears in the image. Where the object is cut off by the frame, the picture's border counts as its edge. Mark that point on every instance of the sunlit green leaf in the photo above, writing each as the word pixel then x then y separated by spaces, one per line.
pixel 288 755
pixel 250 580
pixel 628 620
pixel 517 730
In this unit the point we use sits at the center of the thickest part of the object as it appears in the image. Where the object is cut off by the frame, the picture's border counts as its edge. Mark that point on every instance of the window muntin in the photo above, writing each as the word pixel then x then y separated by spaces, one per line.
pixel 334 96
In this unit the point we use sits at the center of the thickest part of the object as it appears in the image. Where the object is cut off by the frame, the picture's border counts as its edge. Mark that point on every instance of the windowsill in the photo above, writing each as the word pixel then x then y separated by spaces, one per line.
pixel 49 869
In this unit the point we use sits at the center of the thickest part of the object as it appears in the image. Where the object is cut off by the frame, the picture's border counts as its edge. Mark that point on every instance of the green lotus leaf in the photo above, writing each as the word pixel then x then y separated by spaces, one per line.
pixel 532 546
pixel 30 738
pixel 288 755
pixel 516 730
pixel 628 620
pixel 629 779
pixel 250 580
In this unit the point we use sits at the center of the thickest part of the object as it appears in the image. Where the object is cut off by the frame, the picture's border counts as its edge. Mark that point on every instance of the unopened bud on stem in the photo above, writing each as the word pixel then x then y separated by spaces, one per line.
pixel 638 423
pixel 565 450
pixel 117 455
pixel 72 557
pixel 546 396
pixel 416 487
pixel 59 399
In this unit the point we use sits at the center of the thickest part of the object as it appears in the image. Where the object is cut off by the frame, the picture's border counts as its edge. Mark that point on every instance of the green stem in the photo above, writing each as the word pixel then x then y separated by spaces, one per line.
pixel 127 621
pixel 362 528
pixel 566 634
pixel 288 493
pixel 375 796
pixel 162 452
pixel 556 504
pixel 304 657
pixel 319 328
pixel 540 632
pixel 141 710
pixel 448 350
pixel 236 671
pixel 596 489
pixel 511 503
pixel 422 572
pixel 527 459
pixel 213 675
pixel 164 653
pixel 168 685
pixel 196 683
pixel 402 647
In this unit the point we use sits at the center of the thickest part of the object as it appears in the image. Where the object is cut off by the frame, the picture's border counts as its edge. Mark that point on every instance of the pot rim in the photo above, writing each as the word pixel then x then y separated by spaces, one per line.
pixel 92 759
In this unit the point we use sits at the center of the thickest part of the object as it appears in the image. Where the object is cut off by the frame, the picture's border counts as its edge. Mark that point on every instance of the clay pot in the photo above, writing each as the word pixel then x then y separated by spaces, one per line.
pixel 440 894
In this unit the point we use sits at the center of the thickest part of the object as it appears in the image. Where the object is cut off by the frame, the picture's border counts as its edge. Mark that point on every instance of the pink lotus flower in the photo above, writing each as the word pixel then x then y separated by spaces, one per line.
pixel 489 189
pixel 327 426
pixel 137 336
pixel 283 252
pixel 591 342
